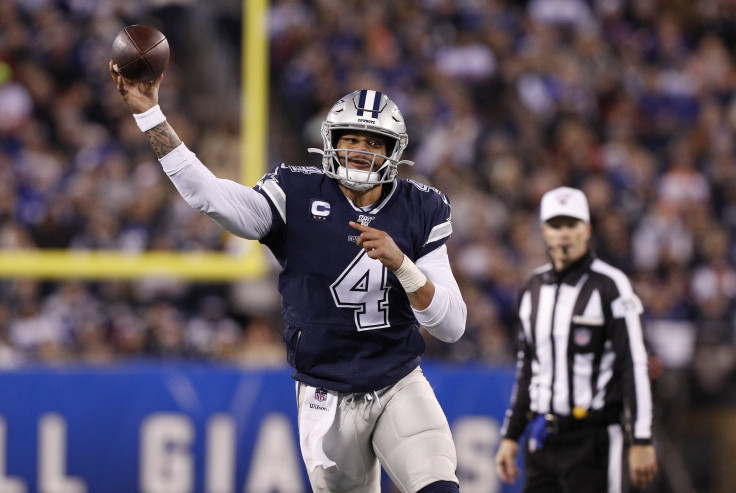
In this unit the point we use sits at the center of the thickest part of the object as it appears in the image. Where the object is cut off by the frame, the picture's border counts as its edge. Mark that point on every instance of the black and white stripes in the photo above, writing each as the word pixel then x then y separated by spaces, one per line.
pixel 581 346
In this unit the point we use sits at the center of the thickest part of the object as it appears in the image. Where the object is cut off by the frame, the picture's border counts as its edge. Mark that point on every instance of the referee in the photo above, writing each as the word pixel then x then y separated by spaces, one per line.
pixel 582 367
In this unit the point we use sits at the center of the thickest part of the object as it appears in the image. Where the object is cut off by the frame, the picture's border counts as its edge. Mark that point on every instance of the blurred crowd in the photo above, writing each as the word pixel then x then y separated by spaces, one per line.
pixel 631 101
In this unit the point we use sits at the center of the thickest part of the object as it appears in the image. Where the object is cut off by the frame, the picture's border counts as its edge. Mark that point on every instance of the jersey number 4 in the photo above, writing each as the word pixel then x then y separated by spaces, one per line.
pixel 363 287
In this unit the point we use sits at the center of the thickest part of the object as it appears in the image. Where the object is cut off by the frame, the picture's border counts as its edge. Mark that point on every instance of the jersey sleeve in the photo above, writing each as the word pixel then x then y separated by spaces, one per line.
pixel 235 207
pixel 446 315
pixel 273 186
pixel 438 219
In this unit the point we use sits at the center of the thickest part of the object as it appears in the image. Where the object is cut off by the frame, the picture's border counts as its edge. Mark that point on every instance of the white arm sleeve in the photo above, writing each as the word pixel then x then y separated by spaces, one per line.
pixel 445 316
pixel 237 208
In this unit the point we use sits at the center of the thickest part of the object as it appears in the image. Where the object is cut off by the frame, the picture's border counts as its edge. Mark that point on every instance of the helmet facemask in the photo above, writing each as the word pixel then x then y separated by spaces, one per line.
pixel 363 111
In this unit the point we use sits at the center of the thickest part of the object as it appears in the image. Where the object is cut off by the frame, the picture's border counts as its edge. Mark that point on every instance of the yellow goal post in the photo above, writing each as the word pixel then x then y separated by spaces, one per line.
pixel 248 263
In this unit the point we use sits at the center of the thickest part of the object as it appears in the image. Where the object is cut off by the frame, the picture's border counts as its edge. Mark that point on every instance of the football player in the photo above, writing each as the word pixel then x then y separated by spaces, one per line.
pixel 363 266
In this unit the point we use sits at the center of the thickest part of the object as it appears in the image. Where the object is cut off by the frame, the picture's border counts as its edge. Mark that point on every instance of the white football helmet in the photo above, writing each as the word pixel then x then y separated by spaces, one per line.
pixel 367 111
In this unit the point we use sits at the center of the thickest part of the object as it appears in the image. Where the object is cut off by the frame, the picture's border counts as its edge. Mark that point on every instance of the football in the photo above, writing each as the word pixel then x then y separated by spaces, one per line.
pixel 140 53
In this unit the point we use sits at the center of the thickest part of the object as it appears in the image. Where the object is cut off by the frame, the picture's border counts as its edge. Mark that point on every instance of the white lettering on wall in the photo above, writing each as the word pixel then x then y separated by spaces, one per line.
pixel 275 465
pixel 166 462
pixel 167 456
pixel 52 457
pixel 220 460
pixel 476 440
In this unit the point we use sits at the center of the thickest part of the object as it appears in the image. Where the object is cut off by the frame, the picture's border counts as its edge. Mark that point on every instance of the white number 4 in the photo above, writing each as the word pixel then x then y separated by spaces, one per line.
pixel 363 286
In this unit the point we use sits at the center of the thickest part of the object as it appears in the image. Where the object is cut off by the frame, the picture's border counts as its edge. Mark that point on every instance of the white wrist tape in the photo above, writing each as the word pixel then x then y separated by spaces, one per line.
pixel 410 277
pixel 149 118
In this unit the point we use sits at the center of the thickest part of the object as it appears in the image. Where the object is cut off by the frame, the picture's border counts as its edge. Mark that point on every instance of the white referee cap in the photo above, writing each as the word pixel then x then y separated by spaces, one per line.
pixel 564 201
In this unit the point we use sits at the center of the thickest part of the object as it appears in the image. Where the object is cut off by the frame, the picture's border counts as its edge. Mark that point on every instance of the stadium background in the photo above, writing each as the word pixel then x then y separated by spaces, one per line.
pixel 632 101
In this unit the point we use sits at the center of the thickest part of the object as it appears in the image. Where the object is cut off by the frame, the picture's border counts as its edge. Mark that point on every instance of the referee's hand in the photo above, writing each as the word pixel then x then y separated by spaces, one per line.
pixel 506 467
pixel 642 465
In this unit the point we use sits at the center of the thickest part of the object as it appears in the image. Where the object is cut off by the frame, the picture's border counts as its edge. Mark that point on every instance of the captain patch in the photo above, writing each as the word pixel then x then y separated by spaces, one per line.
pixel 319 210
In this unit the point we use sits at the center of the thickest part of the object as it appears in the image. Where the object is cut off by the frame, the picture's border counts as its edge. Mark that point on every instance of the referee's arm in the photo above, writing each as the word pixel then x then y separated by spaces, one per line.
pixel 632 365
pixel 517 415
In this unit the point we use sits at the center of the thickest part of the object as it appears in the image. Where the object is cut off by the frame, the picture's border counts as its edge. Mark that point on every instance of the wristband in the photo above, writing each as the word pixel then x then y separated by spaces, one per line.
pixel 410 277
pixel 149 118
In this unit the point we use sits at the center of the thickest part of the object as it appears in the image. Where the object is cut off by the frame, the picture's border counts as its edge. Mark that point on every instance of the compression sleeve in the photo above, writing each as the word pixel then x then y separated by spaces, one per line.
pixel 237 208
pixel 445 316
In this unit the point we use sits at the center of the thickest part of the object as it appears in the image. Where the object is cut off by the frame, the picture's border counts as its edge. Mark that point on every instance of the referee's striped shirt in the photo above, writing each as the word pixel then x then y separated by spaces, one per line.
pixel 580 345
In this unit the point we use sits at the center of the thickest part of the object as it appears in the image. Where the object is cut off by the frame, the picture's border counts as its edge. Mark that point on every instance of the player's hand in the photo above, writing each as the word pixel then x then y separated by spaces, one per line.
pixel 643 465
pixel 138 96
pixel 379 245
pixel 506 467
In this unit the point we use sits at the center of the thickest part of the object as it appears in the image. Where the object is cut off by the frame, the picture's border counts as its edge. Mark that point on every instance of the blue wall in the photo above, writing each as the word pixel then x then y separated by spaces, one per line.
pixel 169 428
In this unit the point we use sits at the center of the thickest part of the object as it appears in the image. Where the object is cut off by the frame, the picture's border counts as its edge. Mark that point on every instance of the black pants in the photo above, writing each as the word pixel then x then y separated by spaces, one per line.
pixel 588 460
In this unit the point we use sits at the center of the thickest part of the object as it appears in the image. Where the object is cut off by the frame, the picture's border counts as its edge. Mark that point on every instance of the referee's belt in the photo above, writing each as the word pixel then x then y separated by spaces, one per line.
pixel 556 423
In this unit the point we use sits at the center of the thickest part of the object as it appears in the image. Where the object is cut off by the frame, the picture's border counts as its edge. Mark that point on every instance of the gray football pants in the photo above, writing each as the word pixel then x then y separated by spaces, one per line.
pixel 401 427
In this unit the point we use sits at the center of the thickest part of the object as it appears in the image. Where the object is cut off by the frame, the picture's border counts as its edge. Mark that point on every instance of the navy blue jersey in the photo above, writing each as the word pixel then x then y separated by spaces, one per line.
pixel 349 324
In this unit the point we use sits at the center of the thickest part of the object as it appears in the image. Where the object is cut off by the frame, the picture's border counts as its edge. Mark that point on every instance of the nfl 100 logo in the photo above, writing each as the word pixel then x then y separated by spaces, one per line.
pixel 320 395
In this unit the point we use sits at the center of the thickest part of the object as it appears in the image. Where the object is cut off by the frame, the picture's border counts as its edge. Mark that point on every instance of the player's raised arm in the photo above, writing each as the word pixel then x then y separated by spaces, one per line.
pixel 237 208
pixel 141 98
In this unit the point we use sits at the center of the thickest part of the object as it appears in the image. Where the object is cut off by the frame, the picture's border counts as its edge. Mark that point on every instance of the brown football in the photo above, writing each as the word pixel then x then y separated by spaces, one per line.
pixel 140 52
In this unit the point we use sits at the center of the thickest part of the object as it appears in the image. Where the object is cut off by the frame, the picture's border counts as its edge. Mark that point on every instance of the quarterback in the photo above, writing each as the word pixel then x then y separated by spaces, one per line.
pixel 363 266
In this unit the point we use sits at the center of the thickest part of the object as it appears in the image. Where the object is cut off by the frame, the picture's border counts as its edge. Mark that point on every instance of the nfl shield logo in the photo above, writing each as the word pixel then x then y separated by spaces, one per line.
pixel 582 336
pixel 320 395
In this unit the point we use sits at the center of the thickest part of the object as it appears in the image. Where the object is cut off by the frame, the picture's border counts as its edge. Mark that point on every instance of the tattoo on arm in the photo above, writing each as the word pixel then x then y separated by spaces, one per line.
pixel 163 139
